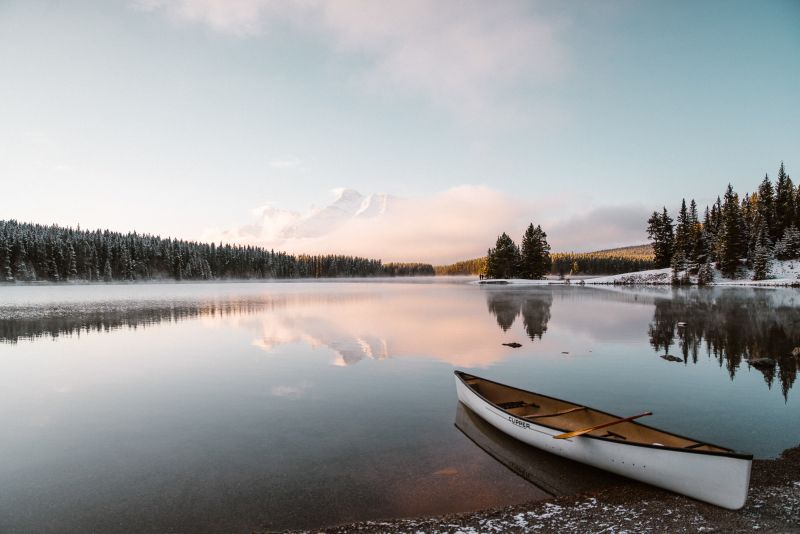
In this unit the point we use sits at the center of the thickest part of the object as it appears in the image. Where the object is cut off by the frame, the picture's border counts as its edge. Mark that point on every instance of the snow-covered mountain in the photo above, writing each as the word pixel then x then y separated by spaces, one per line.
pixel 347 204
pixel 374 205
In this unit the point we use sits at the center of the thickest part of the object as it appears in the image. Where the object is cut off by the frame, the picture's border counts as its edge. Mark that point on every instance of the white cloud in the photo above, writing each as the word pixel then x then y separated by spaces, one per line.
pixel 455 224
pixel 460 55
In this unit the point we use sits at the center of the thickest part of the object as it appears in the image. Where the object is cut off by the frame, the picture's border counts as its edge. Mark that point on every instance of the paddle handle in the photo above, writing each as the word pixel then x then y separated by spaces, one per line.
pixel 598 427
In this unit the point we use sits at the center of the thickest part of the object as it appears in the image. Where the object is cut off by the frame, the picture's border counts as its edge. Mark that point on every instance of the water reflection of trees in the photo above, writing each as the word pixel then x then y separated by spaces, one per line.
pixel 67 319
pixel 75 320
pixel 534 306
pixel 760 328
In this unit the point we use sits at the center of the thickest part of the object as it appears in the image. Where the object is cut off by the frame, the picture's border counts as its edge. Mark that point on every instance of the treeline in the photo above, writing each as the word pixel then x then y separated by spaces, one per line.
pixel 530 260
pixel 30 252
pixel 475 266
pixel 408 269
pixel 612 261
pixel 734 235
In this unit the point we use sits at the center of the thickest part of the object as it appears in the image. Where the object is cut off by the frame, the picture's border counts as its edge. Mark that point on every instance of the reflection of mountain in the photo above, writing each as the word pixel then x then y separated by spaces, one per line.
pixel 319 332
pixel 355 322
pixel 534 306
pixel 736 326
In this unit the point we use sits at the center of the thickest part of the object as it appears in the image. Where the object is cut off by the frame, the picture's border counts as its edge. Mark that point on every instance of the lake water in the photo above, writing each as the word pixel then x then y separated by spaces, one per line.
pixel 246 406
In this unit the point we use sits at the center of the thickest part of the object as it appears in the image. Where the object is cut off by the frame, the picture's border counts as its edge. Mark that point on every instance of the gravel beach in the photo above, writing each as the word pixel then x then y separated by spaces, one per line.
pixel 773 505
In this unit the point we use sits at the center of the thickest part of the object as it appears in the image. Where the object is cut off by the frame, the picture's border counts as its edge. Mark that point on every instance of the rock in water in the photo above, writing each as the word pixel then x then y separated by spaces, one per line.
pixel 513 345
pixel 796 352
pixel 671 358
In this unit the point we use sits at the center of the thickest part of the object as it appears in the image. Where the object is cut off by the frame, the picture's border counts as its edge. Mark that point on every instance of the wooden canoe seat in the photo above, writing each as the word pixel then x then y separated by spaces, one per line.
pixel 554 414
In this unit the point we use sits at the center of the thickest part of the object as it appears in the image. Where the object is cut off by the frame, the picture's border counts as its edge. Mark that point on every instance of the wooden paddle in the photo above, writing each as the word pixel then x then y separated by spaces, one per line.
pixel 598 427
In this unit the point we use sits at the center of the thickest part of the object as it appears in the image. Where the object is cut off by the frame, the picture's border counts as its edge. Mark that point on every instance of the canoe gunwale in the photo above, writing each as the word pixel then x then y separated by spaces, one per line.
pixel 731 454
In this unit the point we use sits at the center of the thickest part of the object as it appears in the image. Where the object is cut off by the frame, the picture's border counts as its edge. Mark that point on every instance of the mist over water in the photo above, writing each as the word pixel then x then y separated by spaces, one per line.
pixel 210 407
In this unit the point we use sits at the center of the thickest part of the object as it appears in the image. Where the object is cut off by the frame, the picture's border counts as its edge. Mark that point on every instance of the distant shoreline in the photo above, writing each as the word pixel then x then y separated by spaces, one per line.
pixel 657 277
pixel 165 281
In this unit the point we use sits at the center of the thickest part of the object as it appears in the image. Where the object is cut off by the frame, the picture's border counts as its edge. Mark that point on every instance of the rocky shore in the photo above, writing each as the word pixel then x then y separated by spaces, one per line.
pixel 773 506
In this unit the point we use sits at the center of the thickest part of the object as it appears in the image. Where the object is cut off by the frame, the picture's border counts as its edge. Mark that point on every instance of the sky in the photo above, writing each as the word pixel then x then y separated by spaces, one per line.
pixel 243 120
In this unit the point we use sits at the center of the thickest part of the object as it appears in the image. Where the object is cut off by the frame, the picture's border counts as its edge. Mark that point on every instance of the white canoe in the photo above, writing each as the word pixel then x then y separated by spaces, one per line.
pixel 697 469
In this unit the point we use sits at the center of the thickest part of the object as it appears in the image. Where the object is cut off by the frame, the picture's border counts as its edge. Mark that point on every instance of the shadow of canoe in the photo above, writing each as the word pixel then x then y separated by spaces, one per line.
pixel 553 474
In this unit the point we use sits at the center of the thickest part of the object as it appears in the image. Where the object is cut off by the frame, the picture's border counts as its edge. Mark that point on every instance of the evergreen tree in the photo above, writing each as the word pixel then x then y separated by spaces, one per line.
pixel 697 249
pixel 797 206
pixel 107 273
pixel 750 224
pixel 52 269
pixel 733 241
pixel 766 207
pixel 705 274
pixel 788 247
pixel 5 259
pixel 660 231
pixel 683 231
pixel 680 274
pixel 72 270
pixel 21 269
pixel 763 255
pixel 784 202
pixel 503 260
pixel 535 260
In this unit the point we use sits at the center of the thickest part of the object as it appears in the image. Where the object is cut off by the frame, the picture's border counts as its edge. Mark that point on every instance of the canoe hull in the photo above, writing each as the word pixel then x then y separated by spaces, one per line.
pixel 717 479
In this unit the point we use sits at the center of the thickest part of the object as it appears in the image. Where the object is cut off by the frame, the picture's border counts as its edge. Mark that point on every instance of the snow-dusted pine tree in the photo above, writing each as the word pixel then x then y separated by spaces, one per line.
pixel 72 268
pixel 680 275
pixel 107 275
pixel 5 259
pixel 705 274
pixel 788 246
pixel 763 255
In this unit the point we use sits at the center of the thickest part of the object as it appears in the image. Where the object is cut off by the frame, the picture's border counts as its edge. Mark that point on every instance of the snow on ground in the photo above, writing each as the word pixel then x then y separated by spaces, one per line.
pixel 653 276
pixel 632 509
pixel 772 508
pixel 782 273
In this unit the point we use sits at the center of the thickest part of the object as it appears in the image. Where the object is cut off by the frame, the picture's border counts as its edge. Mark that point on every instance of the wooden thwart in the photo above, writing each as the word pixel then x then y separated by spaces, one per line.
pixel 598 427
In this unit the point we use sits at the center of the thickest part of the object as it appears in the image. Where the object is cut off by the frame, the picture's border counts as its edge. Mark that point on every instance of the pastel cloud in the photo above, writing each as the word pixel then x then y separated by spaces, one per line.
pixel 454 224
pixel 458 54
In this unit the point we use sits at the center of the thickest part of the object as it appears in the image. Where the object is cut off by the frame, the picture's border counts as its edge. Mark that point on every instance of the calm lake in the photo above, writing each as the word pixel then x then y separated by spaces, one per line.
pixel 246 406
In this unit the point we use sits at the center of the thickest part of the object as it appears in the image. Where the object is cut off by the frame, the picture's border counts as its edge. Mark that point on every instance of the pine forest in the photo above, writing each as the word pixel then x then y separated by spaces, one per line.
pixel 34 252
pixel 739 236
